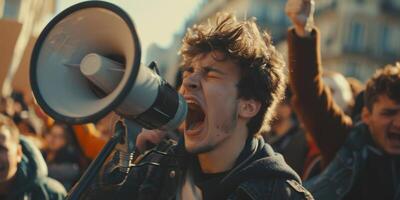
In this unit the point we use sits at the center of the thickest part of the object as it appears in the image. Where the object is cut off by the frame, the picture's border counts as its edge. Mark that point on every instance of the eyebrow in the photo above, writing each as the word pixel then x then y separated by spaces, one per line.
pixel 205 68
pixel 213 69
pixel 186 68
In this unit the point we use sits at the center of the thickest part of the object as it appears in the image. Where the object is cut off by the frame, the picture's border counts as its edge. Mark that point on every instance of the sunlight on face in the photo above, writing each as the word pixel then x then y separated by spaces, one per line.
pixel 209 87
pixel 10 155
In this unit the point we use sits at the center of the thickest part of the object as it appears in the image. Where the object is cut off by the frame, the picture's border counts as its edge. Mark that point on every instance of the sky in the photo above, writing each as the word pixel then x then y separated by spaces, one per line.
pixel 156 21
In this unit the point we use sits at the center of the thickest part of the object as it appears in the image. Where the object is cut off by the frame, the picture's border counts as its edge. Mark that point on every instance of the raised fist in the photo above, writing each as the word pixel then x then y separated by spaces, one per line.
pixel 301 14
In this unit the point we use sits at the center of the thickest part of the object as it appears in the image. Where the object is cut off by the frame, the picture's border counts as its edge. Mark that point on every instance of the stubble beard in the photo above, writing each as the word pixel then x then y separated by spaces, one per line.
pixel 225 128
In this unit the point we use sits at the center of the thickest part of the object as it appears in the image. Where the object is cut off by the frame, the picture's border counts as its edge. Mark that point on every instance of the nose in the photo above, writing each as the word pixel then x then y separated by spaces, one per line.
pixel 191 82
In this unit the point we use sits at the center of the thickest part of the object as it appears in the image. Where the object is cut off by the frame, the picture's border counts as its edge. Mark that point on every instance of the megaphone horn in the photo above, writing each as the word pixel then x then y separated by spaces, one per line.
pixel 86 63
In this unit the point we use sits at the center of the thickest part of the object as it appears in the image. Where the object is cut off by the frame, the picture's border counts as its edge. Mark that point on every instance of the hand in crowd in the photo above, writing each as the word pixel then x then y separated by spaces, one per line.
pixel 301 13
pixel 148 138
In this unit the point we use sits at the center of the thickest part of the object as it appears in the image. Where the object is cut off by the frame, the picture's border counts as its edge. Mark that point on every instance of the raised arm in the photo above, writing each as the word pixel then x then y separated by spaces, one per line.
pixel 313 102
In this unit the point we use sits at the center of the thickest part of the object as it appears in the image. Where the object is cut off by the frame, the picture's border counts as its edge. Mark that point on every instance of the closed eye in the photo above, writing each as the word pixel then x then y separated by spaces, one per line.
pixel 212 72
pixel 207 71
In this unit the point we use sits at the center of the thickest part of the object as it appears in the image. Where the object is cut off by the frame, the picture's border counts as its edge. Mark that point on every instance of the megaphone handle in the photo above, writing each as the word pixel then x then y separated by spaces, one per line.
pixel 95 166
pixel 127 146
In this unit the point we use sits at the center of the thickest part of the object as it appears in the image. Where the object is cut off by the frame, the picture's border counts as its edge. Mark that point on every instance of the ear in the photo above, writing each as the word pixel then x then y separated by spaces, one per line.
pixel 248 108
pixel 365 115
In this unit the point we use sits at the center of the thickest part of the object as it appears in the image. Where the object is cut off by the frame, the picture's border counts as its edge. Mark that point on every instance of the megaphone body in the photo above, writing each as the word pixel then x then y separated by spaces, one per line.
pixel 85 64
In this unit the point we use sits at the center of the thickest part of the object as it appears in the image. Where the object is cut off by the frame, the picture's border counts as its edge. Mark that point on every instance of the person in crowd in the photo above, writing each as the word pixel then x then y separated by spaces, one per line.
pixel 340 90
pixel 356 86
pixel 63 157
pixel 362 159
pixel 89 139
pixel 3 105
pixel 23 172
pixel 232 81
pixel 287 136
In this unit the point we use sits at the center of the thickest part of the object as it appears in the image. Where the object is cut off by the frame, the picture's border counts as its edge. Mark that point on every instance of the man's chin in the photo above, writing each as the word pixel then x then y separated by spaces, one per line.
pixel 192 149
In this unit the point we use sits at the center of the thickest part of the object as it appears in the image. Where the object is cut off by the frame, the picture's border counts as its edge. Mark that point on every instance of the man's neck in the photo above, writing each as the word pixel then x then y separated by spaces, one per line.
pixel 223 157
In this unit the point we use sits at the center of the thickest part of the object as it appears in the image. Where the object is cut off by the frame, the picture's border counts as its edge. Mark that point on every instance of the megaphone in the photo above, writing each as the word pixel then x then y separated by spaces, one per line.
pixel 86 63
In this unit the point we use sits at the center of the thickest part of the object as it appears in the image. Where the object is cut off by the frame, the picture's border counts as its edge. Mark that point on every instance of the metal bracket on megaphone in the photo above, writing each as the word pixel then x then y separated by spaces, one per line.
pixel 125 150
pixel 115 171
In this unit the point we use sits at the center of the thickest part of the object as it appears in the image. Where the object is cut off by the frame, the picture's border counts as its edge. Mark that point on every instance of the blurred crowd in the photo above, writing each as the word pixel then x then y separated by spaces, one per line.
pixel 67 150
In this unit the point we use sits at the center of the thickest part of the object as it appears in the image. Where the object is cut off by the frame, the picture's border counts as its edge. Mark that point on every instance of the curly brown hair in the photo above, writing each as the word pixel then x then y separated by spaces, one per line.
pixel 261 65
pixel 385 81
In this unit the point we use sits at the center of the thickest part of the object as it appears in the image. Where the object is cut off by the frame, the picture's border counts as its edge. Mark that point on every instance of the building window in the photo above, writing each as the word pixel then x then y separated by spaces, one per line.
pixel 389 40
pixel 11 9
pixel 356 37
pixel 385 39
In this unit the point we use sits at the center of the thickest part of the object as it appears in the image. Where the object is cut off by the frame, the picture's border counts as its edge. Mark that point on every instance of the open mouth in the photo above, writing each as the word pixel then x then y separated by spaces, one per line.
pixel 394 137
pixel 195 117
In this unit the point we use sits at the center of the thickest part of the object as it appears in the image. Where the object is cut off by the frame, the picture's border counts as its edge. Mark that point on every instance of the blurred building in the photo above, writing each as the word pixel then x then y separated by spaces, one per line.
pixel 268 14
pixel 20 23
pixel 166 58
pixel 358 36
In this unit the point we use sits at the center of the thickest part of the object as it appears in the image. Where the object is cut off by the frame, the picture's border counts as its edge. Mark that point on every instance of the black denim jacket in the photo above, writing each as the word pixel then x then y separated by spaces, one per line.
pixel 259 173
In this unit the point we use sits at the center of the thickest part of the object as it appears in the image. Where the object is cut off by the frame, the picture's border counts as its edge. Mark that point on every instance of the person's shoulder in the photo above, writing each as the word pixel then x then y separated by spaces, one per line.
pixel 54 186
pixel 273 189
pixel 50 188
pixel 294 190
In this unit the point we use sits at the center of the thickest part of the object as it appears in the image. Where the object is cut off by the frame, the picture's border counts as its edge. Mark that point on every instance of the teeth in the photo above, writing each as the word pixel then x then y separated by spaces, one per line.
pixel 190 101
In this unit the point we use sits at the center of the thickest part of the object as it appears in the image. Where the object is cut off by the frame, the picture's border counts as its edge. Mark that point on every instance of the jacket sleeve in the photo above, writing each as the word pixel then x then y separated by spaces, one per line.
pixel 312 100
